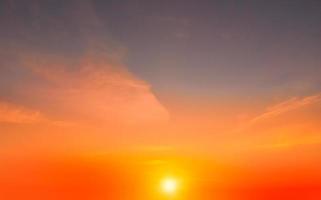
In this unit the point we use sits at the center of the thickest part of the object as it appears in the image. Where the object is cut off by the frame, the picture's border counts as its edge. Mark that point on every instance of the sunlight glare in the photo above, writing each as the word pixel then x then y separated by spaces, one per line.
pixel 169 185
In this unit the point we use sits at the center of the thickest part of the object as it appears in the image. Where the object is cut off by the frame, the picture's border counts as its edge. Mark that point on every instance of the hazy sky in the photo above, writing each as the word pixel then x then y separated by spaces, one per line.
pixel 177 72
pixel 220 48
pixel 99 98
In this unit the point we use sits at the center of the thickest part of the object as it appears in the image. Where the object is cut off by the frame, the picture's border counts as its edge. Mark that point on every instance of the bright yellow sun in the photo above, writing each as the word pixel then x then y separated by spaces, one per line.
pixel 169 185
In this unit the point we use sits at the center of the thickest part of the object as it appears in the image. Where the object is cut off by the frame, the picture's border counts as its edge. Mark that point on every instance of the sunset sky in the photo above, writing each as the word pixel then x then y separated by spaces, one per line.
pixel 104 99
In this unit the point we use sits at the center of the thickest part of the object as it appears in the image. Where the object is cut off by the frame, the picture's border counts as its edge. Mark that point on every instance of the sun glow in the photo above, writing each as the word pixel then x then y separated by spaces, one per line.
pixel 169 185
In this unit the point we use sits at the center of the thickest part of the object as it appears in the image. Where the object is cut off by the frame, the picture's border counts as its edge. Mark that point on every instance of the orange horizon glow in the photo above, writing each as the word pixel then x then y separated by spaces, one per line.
pixel 177 100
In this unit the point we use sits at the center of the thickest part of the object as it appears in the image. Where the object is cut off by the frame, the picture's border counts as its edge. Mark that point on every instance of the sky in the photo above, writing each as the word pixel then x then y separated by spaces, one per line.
pixel 232 85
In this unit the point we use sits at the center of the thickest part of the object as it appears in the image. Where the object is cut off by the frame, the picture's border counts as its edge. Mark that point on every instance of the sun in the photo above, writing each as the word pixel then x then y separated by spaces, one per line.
pixel 169 185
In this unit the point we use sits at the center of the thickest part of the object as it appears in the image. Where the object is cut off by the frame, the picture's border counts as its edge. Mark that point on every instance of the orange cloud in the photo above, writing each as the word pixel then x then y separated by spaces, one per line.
pixel 286 106
pixel 10 113
pixel 95 102
pixel 95 88
pixel 78 84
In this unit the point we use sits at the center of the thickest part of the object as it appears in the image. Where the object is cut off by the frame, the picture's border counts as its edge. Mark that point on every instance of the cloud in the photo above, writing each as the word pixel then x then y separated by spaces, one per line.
pixel 94 88
pixel 66 65
pixel 283 124
pixel 286 106
pixel 293 123
pixel 10 113
pixel 287 143
pixel 66 81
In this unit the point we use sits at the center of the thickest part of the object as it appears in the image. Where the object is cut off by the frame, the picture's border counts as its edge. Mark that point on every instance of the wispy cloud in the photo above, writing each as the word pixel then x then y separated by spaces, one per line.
pixel 11 113
pixel 80 75
pixel 287 143
pixel 286 106
pixel 93 88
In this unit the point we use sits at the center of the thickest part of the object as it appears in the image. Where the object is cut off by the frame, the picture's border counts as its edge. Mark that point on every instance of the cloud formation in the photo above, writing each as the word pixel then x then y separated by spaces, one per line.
pixel 68 67
pixel 286 106
pixel 93 88
pixel 10 113
pixel 64 82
